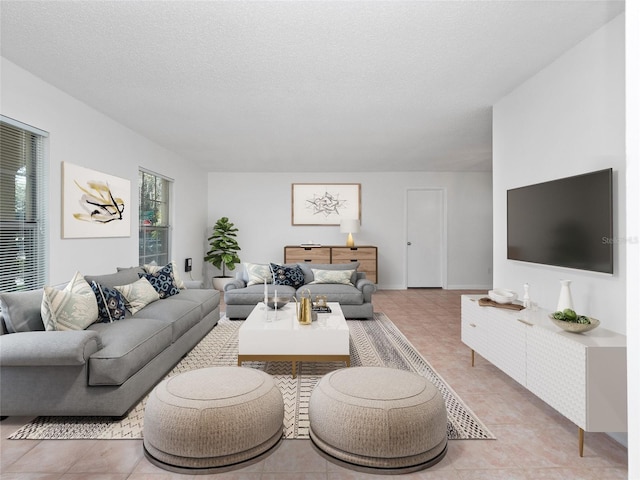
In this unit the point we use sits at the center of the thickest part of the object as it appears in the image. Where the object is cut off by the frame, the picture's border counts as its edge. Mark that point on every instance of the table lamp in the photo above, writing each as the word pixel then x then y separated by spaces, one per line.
pixel 349 225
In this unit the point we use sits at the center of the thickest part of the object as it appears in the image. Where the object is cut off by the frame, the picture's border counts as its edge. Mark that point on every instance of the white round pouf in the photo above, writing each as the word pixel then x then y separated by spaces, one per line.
pixel 378 419
pixel 212 419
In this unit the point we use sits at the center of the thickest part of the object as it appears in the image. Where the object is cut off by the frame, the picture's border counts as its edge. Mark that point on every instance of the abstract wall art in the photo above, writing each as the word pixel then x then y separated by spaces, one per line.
pixel 94 204
pixel 324 203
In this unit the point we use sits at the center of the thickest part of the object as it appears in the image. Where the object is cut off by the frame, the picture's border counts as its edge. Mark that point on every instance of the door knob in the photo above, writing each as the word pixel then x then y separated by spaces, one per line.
pixel 408 243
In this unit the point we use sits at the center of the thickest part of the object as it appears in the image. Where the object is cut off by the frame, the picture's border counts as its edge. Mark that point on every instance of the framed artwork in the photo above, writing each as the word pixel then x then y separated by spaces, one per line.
pixel 324 203
pixel 94 204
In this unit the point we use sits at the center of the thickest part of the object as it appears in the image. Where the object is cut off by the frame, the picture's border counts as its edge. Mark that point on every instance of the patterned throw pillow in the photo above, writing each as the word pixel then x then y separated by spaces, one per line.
pixel 152 268
pixel 73 308
pixel 162 281
pixel 138 294
pixel 258 273
pixel 332 276
pixel 111 304
pixel 290 275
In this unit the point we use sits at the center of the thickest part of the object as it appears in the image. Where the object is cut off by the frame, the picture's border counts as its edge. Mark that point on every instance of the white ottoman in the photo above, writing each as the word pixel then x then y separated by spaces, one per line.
pixel 378 419
pixel 212 419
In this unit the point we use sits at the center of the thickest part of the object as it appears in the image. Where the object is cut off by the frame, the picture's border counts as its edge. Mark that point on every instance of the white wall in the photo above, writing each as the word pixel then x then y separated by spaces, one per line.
pixel 83 136
pixel 632 31
pixel 260 206
pixel 567 119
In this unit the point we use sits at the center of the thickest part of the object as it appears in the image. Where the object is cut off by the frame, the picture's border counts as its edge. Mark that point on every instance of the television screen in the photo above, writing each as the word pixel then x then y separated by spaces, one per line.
pixel 566 222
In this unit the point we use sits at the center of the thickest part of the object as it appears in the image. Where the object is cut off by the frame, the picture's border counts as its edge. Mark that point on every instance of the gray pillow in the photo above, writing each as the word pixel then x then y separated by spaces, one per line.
pixel 308 274
pixel 21 311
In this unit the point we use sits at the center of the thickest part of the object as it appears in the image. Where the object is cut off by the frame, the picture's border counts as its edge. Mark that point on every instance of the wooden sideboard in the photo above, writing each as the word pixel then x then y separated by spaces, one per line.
pixel 366 255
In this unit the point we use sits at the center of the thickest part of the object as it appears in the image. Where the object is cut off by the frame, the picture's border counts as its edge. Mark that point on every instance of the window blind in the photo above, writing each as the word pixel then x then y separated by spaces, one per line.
pixel 23 214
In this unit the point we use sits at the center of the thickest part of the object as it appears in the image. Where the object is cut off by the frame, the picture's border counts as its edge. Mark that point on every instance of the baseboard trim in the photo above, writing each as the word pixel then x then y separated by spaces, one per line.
pixel 469 287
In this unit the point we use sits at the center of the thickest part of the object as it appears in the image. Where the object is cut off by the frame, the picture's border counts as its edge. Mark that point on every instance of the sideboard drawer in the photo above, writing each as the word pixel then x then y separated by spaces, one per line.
pixel 367 256
pixel 342 254
pixel 307 254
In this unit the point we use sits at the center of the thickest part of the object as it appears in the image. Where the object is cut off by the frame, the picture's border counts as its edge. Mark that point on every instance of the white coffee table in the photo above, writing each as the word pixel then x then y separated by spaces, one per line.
pixel 277 336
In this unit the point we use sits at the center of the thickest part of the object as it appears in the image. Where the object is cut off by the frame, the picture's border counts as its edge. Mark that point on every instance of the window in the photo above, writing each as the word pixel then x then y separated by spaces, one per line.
pixel 154 236
pixel 23 214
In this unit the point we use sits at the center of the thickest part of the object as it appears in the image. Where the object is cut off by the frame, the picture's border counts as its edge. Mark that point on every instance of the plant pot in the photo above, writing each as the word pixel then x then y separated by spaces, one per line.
pixel 220 282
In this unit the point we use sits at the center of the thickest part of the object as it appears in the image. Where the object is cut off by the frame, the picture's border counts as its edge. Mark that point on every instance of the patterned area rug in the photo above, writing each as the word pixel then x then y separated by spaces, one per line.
pixel 376 342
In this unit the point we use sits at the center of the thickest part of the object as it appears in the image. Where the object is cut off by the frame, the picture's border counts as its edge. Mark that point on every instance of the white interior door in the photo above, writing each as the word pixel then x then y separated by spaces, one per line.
pixel 425 238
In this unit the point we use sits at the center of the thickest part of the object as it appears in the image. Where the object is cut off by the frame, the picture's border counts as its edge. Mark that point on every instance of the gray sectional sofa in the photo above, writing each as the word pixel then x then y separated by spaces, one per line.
pixel 354 298
pixel 104 369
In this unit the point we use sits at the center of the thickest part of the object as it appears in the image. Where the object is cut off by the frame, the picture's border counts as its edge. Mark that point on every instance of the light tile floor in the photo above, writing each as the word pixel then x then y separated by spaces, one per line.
pixel 533 441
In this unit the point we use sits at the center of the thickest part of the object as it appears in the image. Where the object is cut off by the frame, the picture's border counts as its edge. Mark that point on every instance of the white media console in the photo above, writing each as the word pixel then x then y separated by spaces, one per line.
pixel 582 376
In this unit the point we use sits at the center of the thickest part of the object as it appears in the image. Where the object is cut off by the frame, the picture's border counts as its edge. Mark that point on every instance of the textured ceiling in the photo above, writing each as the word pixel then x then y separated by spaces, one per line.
pixel 300 86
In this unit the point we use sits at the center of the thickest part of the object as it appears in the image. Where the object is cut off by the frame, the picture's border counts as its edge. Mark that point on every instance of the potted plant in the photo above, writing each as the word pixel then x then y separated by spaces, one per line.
pixel 223 253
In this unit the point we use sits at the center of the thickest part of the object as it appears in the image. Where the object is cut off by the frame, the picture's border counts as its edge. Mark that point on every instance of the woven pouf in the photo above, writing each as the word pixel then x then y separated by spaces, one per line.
pixel 212 419
pixel 378 419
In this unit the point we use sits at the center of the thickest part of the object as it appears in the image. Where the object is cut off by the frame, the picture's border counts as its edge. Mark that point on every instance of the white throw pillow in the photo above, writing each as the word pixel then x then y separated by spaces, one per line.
pixel 138 294
pixel 332 276
pixel 153 268
pixel 258 273
pixel 73 308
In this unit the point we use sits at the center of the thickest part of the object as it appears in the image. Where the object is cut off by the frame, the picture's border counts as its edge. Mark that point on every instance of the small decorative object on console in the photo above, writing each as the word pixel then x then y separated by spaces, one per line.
pixel 570 321
pixel 526 301
pixel 565 300
pixel 501 295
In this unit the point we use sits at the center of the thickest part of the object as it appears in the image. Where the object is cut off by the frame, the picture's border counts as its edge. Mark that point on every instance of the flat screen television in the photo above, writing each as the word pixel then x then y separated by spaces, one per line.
pixel 566 222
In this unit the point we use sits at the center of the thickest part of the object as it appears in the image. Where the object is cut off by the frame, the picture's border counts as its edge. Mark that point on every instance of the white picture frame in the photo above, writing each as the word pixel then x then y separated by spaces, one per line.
pixel 324 203
pixel 94 204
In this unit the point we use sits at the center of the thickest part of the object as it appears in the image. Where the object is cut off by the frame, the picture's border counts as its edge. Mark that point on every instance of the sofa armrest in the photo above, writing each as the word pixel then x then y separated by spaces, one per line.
pixel 30 349
pixel 236 283
pixel 367 287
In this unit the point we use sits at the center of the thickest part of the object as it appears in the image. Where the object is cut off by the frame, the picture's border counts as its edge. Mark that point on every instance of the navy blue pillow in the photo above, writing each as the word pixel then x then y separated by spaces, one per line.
pixel 111 303
pixel 162 281
pixel 290 275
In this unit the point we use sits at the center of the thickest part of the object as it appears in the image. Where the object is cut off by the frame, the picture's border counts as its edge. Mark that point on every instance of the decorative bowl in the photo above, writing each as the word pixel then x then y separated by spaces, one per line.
pixel 574 327
pixel 501 295
pixel 279 301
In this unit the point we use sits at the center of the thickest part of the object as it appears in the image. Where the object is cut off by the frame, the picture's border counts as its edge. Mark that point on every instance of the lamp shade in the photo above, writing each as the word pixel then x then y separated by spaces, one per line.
pixel 349 225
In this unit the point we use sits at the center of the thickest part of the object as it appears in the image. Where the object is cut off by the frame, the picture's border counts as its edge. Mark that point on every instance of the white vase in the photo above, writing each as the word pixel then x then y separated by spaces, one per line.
pixel 565 300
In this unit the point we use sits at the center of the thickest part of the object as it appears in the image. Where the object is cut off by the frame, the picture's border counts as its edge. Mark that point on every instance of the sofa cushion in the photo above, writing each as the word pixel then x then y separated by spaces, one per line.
pixel 290 275
pixel 180 315
pixel 127 346
pixel 255 293
pixel 111 303
pixel 258 273
pixel 332 276
pixel 162 281
pixel 308 274
pixel 138 294
pixel 123 276
pixel 344 294
pixel 21 311
pixel 73 308
pixel 208 299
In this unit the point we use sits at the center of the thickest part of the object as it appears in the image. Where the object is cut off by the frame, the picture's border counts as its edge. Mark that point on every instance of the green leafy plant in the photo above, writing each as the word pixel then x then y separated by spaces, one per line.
pixel 224 247
pixel 568 315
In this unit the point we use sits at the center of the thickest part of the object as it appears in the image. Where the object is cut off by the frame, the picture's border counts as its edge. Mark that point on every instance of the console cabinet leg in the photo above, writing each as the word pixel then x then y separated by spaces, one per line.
pixel 581 441
pixel 473 358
